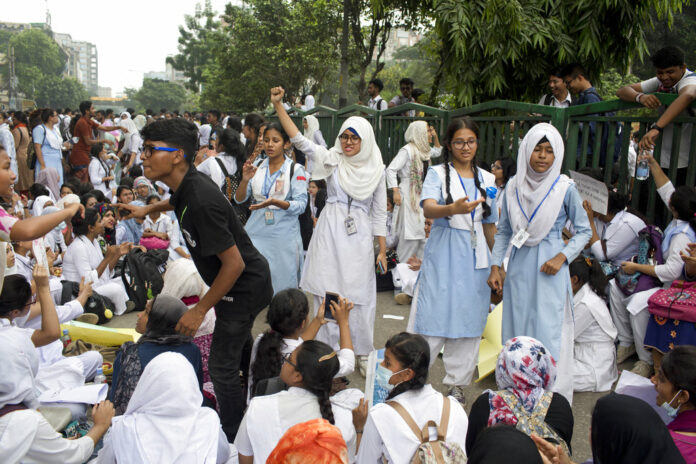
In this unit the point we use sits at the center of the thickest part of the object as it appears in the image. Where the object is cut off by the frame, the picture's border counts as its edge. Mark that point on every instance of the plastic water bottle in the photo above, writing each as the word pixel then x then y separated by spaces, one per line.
pixel 100 377
pixel 642 168
pixel 491 193
pixel 66 338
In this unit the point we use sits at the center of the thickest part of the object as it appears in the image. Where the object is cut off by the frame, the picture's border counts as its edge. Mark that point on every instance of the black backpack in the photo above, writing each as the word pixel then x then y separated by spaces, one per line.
pixel 229 189
pixel 96 304
pixel 142 275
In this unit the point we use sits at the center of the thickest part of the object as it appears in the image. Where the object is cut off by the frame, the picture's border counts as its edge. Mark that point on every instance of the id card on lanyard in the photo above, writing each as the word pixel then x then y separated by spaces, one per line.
pixel 268 184
pixel 351 228
pixel 522 235
pixel 473 213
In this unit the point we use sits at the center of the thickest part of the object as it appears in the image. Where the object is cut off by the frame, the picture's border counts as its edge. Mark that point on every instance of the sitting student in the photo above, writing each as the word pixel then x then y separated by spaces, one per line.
pixel 499 444
pixel 25 434
pixel 84 258
pixel 524 389
pixel 158 226
pixel 615 234
pixel 595 355
pixel 406 273
pixel 404 372
pixel 109 220
pixel 89 200
pixel 23 254
pixel 308 371
pixel 287 317
pixel 164 421
pixel 128 230
pixel 624 430
pixel 314 441
pixel 40 203
pixel 55 240
pixel 631 315
pixel 156 324
pixel 675 383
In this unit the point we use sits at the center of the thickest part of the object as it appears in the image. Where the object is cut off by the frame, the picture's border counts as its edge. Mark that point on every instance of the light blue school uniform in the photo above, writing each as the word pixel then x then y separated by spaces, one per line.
pixel 453 296
pixel 280 242
pixel 52 157
pixel 534 302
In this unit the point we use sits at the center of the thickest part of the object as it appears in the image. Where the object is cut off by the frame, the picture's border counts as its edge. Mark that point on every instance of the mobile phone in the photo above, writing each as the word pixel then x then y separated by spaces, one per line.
pixel 327 304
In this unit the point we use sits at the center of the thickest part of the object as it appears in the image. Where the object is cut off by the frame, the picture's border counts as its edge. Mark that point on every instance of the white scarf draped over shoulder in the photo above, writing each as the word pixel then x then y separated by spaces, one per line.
pixel 164 420
pixel 531 187
pixel 358 175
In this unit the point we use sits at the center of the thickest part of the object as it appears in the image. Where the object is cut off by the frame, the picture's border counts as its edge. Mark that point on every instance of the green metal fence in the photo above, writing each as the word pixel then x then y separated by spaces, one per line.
pixel 503 124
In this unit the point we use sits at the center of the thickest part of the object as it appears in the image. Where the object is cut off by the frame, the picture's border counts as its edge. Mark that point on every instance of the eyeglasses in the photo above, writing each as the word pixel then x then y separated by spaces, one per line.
pixel 286 358
pixel 31 302
pixel 349 138
pixel 459 144
pixel 148 149
pixel 494 167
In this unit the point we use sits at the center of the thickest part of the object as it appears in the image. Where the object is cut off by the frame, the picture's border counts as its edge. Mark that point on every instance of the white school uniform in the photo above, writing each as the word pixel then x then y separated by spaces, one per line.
pixel 97 172
pixel 594 352
pixel 81 260
pixel 387 435
pixel 405 278
pixel 620 236
pixel 269 417
pixel 211 168
pixel 162 224
pixel 409 223
pixel 630 313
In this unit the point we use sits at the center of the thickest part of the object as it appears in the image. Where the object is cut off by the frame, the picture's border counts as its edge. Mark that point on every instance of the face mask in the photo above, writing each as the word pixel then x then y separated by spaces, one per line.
pixel 671 412
pixel 382 377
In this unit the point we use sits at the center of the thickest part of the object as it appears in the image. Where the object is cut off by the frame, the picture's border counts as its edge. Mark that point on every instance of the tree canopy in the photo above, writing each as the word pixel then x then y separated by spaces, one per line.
pixel 156 93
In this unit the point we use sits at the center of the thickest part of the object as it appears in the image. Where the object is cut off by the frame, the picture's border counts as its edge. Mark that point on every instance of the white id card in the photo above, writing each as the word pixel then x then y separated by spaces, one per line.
pixel 39 250
pixel 520 238
pixel 268 216
pixel 473 239
pixel 351 228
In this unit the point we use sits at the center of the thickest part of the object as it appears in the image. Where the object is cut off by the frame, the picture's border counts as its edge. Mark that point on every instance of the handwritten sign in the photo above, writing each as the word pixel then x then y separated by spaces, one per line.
pixel 592 190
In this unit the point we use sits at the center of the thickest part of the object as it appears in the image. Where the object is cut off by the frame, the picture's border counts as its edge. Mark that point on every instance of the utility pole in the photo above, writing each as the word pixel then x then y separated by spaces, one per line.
pixel 343 80
pixel 12 91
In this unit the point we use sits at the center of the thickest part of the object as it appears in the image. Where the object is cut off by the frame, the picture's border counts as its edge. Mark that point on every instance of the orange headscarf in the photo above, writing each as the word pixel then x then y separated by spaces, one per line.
pixel 312 442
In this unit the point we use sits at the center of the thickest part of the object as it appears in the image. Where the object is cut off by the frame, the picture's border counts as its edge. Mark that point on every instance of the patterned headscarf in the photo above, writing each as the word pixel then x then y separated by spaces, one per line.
pixel 417 138
pixel 527 369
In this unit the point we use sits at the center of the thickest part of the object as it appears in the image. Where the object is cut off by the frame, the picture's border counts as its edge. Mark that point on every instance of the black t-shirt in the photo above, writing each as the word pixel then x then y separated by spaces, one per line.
pixel 559 417
pixel 209 225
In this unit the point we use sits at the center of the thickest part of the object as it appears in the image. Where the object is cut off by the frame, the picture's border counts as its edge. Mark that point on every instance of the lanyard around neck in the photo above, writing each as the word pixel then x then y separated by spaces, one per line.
pixel 461 181
pixel 270 180
pixel 529 219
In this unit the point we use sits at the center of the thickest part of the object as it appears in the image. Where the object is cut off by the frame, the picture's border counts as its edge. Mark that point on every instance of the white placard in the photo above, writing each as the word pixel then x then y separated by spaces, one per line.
pixel 592 190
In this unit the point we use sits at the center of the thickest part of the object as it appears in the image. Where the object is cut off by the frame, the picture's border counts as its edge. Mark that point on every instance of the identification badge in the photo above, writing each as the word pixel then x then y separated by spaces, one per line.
pixel 351 228
pixel 279 184
pixel 520 238
pixel 268 215
pixel 473 239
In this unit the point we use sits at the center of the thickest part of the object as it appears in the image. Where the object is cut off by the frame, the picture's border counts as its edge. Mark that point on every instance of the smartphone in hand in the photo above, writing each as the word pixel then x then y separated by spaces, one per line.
pixel 327 304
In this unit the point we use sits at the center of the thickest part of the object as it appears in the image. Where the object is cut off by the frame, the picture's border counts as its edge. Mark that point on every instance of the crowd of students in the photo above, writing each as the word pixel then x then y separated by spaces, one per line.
pixel 255 214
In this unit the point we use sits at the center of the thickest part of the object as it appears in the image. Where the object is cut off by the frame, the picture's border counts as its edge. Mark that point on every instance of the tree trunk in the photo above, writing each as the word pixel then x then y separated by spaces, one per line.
pixel 343 82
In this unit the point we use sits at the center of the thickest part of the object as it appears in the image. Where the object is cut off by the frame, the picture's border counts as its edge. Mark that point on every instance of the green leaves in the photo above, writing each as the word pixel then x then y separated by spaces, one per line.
pixel 157 94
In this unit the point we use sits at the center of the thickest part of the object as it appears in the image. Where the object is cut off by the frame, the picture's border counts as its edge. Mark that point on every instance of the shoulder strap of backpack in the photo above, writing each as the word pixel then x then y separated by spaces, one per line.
pixel 406 417
pixel 222 166
pixel 444 420
pixel 547 99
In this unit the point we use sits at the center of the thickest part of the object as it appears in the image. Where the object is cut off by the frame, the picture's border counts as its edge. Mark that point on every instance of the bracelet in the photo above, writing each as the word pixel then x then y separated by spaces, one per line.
pixel 358 431
pixel 640 94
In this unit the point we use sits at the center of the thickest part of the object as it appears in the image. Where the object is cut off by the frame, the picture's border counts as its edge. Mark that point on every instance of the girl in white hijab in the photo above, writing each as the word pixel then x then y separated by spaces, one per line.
pixel 25 436
pixel 355 214
pixel 411 165
pixel 537 294
pixel 313 133
pixel 132 140
pixel 164 421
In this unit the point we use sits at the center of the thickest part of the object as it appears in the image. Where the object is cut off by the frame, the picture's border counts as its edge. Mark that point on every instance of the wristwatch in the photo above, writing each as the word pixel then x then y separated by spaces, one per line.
pixel 656 127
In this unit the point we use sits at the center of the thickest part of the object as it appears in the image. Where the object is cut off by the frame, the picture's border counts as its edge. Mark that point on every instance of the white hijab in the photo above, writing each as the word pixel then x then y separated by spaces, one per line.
pixel 312 126
pixel 358 175
pixel 10 270
pixel 20 363
pixel 133 134
pixel 531 187
pixel 39 202
pixel 417 137
pixel 139 121
pixel 164 421
pixel 68 199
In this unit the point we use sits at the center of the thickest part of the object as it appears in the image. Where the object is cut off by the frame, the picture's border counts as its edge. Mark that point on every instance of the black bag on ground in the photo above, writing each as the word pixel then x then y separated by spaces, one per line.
pixel 142 275
pixel 96 304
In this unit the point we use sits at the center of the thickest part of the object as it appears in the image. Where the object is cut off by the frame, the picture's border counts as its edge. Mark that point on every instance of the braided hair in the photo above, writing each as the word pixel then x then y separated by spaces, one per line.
pixel 454 126
pixel 412 352
pixel 318 364
pixel 286 313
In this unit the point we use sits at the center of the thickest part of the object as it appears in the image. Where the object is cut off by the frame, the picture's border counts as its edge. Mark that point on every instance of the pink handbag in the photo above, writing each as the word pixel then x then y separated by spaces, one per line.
pixel 677 302
pixel 154 243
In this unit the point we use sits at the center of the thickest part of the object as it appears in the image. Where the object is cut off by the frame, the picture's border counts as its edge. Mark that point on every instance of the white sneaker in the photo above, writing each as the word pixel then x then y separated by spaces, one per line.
pixel 643 369
pixel 362 365
pixel 624 352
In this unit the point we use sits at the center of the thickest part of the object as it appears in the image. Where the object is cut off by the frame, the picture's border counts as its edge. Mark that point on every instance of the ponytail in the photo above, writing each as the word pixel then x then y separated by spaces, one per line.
pixel 588 270
pixel 268 360
pixel 318 363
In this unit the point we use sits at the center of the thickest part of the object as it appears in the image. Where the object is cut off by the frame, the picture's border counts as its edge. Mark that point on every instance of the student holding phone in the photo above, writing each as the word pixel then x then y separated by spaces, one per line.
pixel 340 257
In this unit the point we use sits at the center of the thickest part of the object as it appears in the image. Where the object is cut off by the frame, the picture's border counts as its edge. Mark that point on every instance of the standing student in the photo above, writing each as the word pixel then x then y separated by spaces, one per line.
pixel 355 214
pixel 451 300
pixel 595 332
pixel 278 187
pixel 22 141
pixel 537 295
pixel 7 141
pixel 312 132
pixel 100 174
pixel 411 165
pixel 373 89
pixel 238 275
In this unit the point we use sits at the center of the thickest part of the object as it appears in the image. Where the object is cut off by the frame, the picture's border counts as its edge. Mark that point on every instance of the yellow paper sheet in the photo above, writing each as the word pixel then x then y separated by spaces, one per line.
pixel 491 343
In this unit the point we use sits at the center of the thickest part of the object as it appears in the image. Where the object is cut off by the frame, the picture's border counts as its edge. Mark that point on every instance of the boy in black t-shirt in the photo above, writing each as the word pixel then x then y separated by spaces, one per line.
pixel 238 275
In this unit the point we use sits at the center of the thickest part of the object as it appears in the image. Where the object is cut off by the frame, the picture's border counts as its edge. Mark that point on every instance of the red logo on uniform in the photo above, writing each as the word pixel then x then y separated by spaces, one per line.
pixel 301 178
